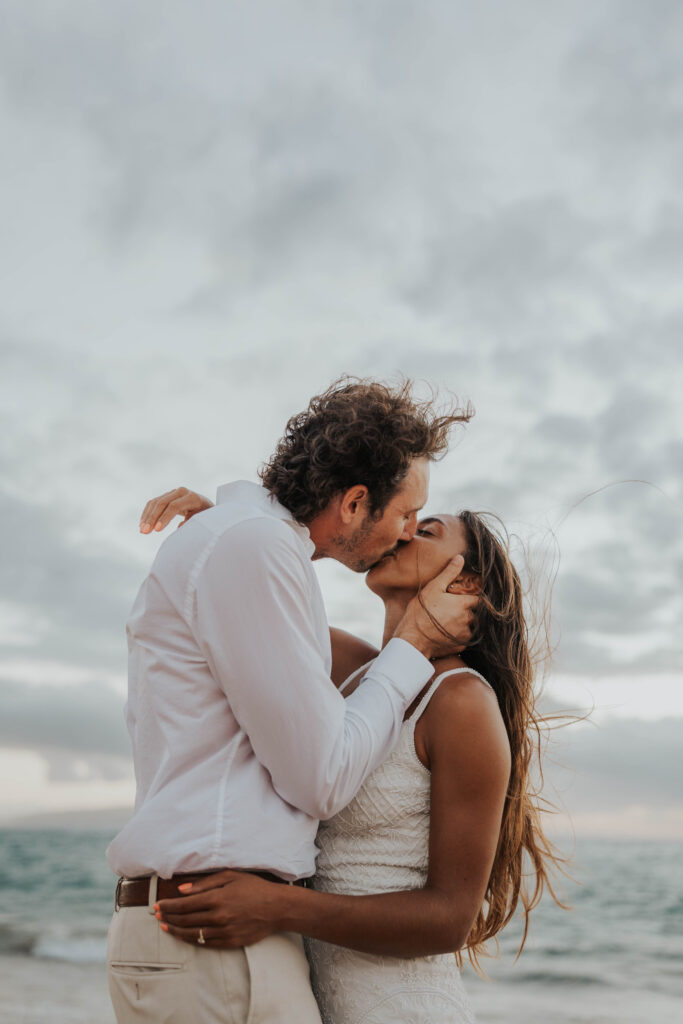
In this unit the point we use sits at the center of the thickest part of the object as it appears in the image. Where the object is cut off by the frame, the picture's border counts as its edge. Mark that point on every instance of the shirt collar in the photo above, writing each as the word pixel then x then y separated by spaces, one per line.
pixel 245 492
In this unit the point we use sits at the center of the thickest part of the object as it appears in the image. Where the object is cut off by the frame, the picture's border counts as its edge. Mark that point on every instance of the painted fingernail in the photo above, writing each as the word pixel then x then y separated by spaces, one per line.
pixel 158 916
pixel 185 887
pixel 164 927
pixel 156 906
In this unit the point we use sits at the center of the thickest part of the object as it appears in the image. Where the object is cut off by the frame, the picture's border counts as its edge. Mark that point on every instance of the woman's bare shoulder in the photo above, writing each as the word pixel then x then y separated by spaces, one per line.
pixel 459 677
pixel 349 652
pixel 464 715
pixel 464 694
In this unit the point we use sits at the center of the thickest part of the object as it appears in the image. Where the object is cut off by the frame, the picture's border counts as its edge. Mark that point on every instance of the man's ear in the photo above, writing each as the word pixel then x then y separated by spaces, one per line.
pixel 466 583
pixel 353 503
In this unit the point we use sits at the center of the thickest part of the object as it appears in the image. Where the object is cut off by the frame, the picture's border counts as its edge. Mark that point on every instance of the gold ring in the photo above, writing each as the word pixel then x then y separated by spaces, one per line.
pixel 201 940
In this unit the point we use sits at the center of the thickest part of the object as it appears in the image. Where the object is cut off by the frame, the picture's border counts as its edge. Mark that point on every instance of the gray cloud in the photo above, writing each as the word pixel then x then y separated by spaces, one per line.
pixel 502 269
pixel 618 763
pixel 488 202
pixel 79 730
pixel 625 66
pixel 75 598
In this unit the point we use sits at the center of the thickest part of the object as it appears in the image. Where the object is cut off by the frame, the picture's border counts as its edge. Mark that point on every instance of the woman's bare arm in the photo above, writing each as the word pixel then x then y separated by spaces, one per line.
pixel 470 762
pixel 349 652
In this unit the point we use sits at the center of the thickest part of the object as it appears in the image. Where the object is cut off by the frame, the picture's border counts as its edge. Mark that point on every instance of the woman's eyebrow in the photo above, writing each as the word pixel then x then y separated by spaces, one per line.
pixel 432 519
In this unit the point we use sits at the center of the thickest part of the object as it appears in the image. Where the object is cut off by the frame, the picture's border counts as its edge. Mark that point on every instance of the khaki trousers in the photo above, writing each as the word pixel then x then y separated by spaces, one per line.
pixel 155 978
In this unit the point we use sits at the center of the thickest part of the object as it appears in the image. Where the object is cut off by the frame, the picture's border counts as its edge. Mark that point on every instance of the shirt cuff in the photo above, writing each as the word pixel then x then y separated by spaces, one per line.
pixel 404 668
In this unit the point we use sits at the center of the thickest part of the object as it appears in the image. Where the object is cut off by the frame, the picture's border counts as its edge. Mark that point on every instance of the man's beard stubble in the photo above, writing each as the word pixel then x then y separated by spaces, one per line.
pixel 352 548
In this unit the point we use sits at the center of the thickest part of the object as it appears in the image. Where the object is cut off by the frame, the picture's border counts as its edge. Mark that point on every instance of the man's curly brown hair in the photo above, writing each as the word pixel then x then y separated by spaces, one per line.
pixel 358 431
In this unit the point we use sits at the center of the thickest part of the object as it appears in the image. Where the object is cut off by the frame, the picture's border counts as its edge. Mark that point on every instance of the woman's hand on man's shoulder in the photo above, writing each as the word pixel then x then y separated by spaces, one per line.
pixel 158 512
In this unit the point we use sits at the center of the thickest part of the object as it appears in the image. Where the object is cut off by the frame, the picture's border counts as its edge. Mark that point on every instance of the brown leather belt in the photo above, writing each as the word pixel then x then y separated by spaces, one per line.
pixel 134 892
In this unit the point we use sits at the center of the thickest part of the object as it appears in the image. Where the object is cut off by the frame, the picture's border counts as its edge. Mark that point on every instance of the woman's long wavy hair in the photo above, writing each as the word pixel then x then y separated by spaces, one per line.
pixel 504 652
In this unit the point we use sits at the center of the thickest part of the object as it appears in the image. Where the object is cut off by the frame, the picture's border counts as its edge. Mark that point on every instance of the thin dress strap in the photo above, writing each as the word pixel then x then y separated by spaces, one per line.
pixel 419 710
pixel 353 675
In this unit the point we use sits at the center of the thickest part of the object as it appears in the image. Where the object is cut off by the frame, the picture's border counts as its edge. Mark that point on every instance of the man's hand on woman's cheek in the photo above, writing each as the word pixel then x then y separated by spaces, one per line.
pixel 437 621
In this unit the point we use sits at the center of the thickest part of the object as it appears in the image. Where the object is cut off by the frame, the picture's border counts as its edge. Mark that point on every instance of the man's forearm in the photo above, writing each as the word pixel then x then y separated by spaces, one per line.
pixel 421 922
pixel 317 760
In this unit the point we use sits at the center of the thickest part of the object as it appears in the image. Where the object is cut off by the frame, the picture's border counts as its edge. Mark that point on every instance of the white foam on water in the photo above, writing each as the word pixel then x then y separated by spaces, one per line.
pixel 73 950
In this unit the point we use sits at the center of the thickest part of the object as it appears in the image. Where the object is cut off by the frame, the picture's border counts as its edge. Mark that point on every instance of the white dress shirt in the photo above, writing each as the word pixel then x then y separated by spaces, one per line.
pixel 241 742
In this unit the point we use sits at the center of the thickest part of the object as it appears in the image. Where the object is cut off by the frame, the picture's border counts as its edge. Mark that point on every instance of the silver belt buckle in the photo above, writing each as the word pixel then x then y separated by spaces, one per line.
pixel 117 893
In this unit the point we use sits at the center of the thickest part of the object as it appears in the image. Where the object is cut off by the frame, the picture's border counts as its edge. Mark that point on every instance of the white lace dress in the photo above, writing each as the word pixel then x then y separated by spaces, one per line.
pixel 379 843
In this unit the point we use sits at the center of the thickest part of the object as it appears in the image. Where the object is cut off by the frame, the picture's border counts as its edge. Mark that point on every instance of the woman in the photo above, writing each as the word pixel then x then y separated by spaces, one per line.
pixel 426 861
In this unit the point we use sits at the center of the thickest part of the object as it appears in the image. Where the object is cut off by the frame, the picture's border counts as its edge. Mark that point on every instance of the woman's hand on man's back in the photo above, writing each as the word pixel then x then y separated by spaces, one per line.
pixel 158 512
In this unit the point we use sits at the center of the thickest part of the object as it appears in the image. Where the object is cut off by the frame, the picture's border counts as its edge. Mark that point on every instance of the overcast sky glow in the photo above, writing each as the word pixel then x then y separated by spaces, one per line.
pixel 209 214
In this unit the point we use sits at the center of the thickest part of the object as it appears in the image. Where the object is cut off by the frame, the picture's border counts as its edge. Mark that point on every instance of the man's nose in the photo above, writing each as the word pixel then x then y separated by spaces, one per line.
pixel 409 529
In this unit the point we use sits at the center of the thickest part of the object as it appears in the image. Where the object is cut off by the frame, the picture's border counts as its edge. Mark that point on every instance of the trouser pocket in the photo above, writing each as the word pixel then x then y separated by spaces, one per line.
pixel 150 995
pixel 147 970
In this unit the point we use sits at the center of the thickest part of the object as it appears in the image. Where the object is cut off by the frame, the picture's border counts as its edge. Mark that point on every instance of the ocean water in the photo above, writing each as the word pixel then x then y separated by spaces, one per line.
pixel 617 956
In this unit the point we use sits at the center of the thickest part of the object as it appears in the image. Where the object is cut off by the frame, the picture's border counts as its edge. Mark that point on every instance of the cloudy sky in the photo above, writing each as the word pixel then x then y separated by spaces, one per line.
pixel 210 211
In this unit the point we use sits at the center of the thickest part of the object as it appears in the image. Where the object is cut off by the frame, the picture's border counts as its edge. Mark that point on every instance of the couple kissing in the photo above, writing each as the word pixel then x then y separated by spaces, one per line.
pixel 321 824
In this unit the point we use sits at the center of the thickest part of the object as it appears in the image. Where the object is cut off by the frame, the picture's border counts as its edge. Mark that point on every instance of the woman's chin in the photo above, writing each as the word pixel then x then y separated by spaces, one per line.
pixel 370 577
pixel 385 576
pixel 376 576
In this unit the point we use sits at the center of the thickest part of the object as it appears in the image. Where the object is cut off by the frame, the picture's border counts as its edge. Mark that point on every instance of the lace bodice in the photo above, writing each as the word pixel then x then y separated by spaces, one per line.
pixel 379 843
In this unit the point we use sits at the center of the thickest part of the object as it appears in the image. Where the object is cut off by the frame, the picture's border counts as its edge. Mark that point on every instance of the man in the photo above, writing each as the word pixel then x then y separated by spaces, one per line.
pixel 240 740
